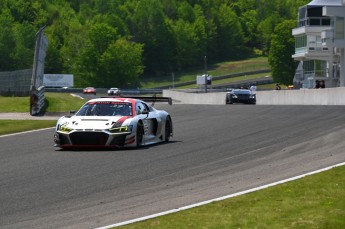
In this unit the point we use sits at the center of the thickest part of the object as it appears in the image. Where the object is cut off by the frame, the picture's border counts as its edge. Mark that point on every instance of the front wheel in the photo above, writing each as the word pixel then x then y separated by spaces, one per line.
pixel 139 134
pixel 167 129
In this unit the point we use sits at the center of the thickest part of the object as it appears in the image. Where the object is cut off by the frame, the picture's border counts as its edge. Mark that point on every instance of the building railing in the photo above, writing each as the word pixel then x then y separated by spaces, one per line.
pixel 316 73
pixel 312 47
pixel 317 46
pixel 315 21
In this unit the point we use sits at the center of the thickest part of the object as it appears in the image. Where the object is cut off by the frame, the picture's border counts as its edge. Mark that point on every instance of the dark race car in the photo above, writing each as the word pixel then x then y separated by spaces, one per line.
pixel 240 96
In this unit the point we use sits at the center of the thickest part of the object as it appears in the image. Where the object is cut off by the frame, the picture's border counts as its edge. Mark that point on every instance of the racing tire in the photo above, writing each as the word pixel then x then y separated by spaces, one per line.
pixel 139 134
pixel 167 129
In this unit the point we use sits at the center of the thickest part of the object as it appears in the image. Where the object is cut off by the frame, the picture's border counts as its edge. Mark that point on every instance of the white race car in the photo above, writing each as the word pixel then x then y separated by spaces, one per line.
pixel 114 91
pixel 114 122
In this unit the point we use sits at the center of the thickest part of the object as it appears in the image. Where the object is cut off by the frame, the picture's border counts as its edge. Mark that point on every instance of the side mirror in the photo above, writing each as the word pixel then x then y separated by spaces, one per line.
pixel 72 112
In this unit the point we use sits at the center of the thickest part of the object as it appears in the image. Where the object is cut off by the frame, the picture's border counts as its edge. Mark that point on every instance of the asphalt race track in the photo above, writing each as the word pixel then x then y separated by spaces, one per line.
pixel 216 151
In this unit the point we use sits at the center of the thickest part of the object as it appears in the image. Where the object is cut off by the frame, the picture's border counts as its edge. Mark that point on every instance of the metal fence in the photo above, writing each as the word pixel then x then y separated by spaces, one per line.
pixel 15 83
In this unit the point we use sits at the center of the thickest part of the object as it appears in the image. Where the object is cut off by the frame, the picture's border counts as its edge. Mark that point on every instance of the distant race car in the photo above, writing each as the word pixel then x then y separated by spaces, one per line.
pixel 240 96
pixel 115 122
pixel 89 90
pixel 114 91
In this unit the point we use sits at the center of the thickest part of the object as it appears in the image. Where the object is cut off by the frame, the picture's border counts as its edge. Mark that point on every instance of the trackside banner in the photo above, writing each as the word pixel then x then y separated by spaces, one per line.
pixel 58 80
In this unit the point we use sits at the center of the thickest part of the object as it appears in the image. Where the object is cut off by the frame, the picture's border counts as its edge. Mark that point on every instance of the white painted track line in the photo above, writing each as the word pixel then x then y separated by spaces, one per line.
pixel 25 132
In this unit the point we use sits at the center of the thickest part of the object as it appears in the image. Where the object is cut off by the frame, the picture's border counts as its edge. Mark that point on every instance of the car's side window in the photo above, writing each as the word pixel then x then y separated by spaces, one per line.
pixel 140 107
pixel 146 108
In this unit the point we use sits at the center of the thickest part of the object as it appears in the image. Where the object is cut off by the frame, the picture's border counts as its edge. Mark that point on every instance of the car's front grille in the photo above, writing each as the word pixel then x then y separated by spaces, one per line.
pixel 118 140
pixel 243 96
pixel 89 138
pixel 63 140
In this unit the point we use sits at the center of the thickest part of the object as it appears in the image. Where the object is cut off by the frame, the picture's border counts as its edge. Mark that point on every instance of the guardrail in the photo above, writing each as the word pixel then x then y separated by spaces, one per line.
pixel 104 91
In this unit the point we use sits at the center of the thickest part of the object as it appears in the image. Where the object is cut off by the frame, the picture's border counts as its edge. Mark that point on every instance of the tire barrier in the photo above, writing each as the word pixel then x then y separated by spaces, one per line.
pixel 37 101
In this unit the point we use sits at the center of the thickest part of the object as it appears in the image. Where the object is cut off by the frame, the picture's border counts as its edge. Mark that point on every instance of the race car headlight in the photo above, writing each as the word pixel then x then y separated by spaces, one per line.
pixel 234 96
pixel 121 129
pixel 252 96
pixel 65 129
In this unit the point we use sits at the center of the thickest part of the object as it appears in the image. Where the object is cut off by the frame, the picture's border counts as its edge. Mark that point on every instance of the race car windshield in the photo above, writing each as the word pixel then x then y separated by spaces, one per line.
pixel 241 91
pixel 105 109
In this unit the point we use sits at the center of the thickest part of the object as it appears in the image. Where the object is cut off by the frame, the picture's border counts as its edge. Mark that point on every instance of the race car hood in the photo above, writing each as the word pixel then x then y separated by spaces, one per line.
pixel 92 122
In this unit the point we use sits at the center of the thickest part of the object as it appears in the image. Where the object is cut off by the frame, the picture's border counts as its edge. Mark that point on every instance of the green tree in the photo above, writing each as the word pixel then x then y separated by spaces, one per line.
pixel 22 10
pixel 266 28
pixel 175 34
pixel 66 38
pixel 185 12
pixel 115 22
pixel 53 61
pixel 282 48
pixel 7 41
pixel 249 23
pixel 99 38
pixel 187 50
pixel 170 8
pixel 151 27
pixel 24 36
pixel 190 36
pixel 202 32
pixel 109 60
pixel 229 34
pixel 121 64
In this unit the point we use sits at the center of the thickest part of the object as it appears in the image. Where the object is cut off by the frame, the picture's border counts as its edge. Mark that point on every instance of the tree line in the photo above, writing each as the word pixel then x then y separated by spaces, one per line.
pixel 115 42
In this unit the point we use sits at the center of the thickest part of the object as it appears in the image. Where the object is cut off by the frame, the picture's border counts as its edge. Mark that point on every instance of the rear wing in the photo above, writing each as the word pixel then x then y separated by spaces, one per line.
pixel 148 99
pixel 154 99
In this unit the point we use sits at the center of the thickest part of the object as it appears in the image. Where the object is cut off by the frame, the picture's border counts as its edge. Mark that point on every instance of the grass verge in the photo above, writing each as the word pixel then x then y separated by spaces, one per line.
pixel 15 126
pixel 62 102
pixel 316 201
pixel 55 102
pixel 216 82
pixel 14 104
pixel 219 69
